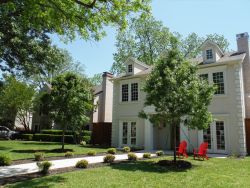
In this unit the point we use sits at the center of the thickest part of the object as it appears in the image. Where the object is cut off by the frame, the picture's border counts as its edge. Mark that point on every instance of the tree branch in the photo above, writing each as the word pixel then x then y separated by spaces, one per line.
pixel 91 5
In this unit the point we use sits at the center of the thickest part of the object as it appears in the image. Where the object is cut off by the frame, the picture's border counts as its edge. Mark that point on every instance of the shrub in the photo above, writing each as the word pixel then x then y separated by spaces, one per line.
pixel 147 155
pixel 159 153
pixel 39 156
pixel 111 151
pixel 132 157
pixel 87 133
pixel 126 149
pixel 27 137
pixel 91 153
pixel 109 158
pixel 86 139
pixel 83 143
pixel 44 166
pixel 5 160
pixel 69 154
pixel 82 164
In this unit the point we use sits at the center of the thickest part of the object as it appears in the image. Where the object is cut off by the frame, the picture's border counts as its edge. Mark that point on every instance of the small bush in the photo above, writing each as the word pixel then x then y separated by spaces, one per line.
pixel 39 156
pixel 132 157
pixel 126 149
pixel 109 158
pixel 69 154
pixel 5 160
pixel 83 143
pixel 147 155
pixel 111 151
pixel 82 164
pixel 44 166
pixel 27 137
pixel 159 153
pixel 87 133
pixel 86 139
pixel 91 153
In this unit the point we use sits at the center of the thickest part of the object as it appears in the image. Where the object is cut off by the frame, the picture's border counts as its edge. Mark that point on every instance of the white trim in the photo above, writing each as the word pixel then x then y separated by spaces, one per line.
pixel 129 121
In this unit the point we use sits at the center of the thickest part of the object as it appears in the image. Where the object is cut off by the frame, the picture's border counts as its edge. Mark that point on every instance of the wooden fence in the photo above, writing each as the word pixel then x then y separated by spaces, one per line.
pixel 247 126
pixel 101 133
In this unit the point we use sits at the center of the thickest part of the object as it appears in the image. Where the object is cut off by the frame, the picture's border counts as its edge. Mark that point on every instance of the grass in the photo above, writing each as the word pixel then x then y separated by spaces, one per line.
pixel 212 173
pixel 26 149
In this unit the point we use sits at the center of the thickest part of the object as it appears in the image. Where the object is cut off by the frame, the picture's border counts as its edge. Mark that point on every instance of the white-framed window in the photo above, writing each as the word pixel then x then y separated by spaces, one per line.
pixel 130 68
pixel 130 92
pixel 209 54
pixel 128 133
pixel 134 92
pixel 218 80
pixel 125 93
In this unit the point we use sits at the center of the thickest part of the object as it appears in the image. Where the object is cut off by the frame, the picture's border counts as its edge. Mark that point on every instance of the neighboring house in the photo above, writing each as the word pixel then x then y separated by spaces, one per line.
pixel 230 105
pixel 102 115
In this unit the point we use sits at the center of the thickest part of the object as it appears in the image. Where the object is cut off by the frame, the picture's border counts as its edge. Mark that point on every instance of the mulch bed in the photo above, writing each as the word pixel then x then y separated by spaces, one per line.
pixel 178 165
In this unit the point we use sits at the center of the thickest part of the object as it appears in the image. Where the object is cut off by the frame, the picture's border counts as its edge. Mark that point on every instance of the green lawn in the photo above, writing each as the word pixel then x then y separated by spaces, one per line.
pixel 213 173
pixel 26 149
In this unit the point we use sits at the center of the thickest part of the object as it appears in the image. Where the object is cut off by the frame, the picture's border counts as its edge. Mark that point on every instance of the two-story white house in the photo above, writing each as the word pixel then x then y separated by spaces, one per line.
pixel 230 105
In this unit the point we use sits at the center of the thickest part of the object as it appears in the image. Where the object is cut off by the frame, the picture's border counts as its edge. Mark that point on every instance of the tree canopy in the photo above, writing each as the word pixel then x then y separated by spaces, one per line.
pixel 26 25
pixel 148 39
pixel 145 39
pixel 70 102
pixel 16 102
pixel 177 93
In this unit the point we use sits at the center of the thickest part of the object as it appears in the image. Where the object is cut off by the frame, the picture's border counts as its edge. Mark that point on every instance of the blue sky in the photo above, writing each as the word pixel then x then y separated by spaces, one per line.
pixel 227 17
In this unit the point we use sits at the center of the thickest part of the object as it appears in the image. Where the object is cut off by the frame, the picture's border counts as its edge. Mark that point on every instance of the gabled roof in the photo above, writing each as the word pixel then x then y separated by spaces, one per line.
pixel 228 57
pixel 134 60
pixel 206 42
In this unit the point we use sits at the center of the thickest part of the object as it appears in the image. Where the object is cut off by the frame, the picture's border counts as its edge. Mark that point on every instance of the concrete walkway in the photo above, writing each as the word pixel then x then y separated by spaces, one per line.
pixel 14 170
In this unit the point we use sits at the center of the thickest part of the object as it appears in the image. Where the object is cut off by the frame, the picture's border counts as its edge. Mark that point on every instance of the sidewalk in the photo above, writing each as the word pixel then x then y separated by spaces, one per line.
pixel 14 170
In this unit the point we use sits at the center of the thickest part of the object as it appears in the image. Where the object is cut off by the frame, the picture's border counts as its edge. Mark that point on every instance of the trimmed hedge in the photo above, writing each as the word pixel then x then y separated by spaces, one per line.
pixel 56 132
pixel 53 138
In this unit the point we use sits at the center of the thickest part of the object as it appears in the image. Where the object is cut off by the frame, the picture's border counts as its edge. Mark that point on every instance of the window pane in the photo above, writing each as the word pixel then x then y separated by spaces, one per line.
pixel 209 54
pixel 220 135
pixel 218 79
pixel 130 68
pixel 125 133
pixel 207 136
pixel 125 92
pixel 134 91
pixel 133 133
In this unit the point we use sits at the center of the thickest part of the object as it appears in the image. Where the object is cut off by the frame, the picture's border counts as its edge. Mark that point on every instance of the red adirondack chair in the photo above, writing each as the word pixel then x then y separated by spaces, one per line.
pixel 182 149
pixel 202 151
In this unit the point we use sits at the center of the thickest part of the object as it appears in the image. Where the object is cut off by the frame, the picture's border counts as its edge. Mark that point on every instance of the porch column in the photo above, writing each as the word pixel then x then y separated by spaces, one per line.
pixel 148 135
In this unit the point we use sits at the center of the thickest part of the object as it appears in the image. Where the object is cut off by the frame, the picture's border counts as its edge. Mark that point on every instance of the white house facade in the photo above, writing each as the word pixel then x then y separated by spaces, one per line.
pixel 230 106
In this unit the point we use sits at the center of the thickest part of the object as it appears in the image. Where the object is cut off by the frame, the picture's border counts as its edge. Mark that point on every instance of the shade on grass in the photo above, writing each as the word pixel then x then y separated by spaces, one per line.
pixel 212 173
pixel 26 149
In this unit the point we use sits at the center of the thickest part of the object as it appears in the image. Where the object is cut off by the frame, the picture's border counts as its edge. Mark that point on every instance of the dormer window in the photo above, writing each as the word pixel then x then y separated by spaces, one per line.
pixel 209 54
pixel 130 68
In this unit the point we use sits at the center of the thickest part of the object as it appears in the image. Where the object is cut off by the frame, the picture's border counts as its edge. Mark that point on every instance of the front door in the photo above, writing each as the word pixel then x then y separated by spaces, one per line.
pixel 215 136
pixel 128 133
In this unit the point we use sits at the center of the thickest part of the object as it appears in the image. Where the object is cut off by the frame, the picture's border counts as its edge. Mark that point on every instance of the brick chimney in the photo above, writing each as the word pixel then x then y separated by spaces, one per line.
pixel 243 46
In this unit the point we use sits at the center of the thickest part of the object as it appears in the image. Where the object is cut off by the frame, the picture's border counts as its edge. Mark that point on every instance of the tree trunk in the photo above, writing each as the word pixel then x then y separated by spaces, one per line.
pixel 63 136
pixel 174 124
